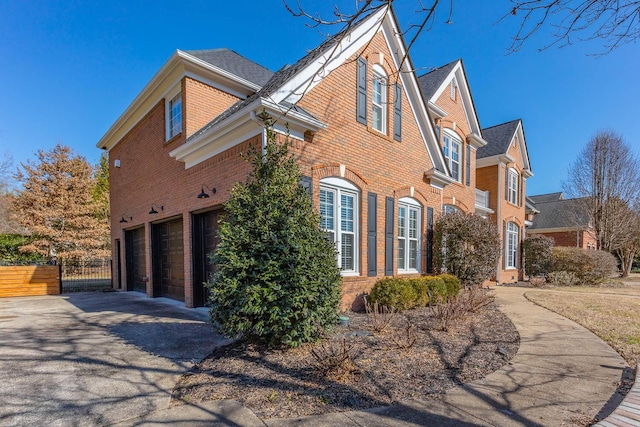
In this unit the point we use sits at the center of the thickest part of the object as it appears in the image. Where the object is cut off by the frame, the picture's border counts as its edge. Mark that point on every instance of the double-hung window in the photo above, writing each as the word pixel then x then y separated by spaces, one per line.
pixel 513 186
pixel 339 218
pixel 409 214
pixel 451 147
pixel 174 115
pixel 512 245
pixel 379 100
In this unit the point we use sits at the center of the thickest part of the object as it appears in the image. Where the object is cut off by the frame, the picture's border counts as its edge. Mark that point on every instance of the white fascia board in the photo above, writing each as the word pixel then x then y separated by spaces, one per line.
pixel 457 72
pixel 483 210
pixel 411 88
pixel 494 160
pixel 179 65
pixel 142 103
pixel 523 149
pixel 239 127
pixel 305 80
pixel 438 179
pixel 436 111
pixel 476 141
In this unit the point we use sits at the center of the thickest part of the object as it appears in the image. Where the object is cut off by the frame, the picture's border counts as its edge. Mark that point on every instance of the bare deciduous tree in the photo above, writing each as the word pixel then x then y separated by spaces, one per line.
pixel 56 205
pixel 614 22
pixel 605 178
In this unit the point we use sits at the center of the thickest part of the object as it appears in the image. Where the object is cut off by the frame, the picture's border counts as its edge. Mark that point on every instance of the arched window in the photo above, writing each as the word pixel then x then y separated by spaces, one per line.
pixel 409 221
pixel 340 220
pixel 512 245
pixel 447 209
pixel 379 100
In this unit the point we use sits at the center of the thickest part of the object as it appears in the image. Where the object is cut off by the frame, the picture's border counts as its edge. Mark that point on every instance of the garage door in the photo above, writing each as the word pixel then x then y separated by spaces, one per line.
pixel 205 240
pixel 136 260
pixel 168 260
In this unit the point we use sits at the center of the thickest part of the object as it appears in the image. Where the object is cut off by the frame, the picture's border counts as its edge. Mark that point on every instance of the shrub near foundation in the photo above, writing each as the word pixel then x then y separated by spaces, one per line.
pixel 394 292
pixel 589 267
pixel 405 293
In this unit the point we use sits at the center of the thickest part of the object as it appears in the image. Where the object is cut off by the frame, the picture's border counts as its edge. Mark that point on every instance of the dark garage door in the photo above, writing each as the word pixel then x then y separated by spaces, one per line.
pixel 168 260
pixel 205 240
pixel 136 261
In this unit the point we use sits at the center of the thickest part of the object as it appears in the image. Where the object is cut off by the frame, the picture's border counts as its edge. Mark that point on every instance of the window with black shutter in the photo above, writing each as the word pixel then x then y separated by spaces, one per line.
pixel 361 100
pixel 388 237
pixel 397 113
pixel 372 246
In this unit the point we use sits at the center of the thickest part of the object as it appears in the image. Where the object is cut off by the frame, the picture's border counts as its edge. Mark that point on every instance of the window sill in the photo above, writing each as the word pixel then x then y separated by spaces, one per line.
pixel 511 268
pixel 408 272
pixel 349 273
pixel 173 139
pixel 382 135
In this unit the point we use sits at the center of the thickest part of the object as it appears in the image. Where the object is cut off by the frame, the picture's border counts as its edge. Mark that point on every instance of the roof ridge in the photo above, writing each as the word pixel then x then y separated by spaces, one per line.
pixel 440 67
pixel 503 124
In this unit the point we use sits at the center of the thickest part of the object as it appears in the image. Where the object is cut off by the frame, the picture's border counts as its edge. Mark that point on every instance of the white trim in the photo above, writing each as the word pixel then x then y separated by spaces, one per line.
pixel 339 182
pixel 453 139
pixel 410 205
pixel 179 65
pixel 409 201
pixel 499 159
pixel 476 141
pixel 168 99
pixel 379 75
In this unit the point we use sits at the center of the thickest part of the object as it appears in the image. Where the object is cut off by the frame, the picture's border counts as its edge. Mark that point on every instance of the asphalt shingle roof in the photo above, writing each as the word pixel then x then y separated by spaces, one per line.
pixel 561 214
pixel 498 137
pixel 544 198
pixel 234 63
pixel 430 82
pixel 278 79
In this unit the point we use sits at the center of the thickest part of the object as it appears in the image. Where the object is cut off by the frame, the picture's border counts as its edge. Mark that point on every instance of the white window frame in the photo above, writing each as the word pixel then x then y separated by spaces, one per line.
pixel 513 186
pixel 173 129
pixel 409 206
pixel 448 209
pixel 379 99
pixel 339 188
pixel 512 245
pixel 452 145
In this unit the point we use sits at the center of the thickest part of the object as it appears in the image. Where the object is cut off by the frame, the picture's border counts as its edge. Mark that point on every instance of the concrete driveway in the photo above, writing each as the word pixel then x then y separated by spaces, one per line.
pixel 95 358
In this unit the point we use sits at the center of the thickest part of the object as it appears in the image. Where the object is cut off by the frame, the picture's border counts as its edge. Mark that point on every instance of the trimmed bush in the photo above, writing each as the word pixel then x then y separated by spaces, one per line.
pixel 537 252
pixel 563 278
pixel 588 266
pixel 453 284
pixel 394 292
pixel 405 293
pixel 467 246
pixel 422 291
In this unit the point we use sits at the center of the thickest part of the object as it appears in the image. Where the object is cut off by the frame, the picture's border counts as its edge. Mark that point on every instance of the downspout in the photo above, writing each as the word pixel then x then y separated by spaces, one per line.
pixel 254 118
pixel 499 220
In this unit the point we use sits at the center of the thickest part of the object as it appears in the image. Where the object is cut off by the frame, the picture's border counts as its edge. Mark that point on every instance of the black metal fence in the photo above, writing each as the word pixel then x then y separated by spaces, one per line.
pixel 85 275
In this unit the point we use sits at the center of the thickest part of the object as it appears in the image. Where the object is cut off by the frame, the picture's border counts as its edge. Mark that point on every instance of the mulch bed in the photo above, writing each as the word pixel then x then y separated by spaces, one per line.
pixel 372 368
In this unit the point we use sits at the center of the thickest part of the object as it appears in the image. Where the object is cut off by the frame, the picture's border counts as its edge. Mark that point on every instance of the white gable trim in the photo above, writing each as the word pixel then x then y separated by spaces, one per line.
pixel 458 75
pixel 178 66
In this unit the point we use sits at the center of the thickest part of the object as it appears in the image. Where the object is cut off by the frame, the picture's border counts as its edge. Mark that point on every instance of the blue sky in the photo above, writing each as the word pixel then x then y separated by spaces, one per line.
pixel 70 68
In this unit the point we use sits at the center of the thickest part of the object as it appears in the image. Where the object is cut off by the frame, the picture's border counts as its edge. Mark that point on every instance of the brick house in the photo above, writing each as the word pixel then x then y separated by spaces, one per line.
pixel 489 166
pixel 564 220
pixel 360 130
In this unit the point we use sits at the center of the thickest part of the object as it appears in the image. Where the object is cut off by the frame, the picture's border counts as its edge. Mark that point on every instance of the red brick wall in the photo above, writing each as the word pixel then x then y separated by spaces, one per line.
pixel 459 194
pixel 202 103
pixel 149 175
pixel 372 161
pixel 579 238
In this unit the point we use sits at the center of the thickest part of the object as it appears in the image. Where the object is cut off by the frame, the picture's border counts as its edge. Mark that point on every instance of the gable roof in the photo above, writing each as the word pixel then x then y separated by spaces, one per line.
pixel 431 81
pixel 288 85
pixel 549 197
pixel 561 214
pixel 234 63
pixel 499 138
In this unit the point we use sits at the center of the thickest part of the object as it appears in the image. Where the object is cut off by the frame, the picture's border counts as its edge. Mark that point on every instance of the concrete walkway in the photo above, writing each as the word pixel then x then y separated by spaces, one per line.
pixel 562 375
pixel 105 359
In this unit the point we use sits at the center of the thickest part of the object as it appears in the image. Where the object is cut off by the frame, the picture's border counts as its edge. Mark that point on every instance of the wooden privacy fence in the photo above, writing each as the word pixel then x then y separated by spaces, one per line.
pixel 29 280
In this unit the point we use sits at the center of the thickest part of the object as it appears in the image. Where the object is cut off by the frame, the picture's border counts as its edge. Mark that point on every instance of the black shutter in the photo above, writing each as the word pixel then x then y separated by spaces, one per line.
pixel 306 182
pixel 429 260
pixel 506 183
pixel 372 247
pixel 361 100
pixel 521 195
pixel 388 237
pixel 468 164
pixel 397 113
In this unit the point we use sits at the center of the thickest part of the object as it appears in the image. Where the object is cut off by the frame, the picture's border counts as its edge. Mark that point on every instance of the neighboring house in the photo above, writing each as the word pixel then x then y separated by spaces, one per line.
pixel 489 166
pixel 566 221
pixel 502 169
pixel 360 130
